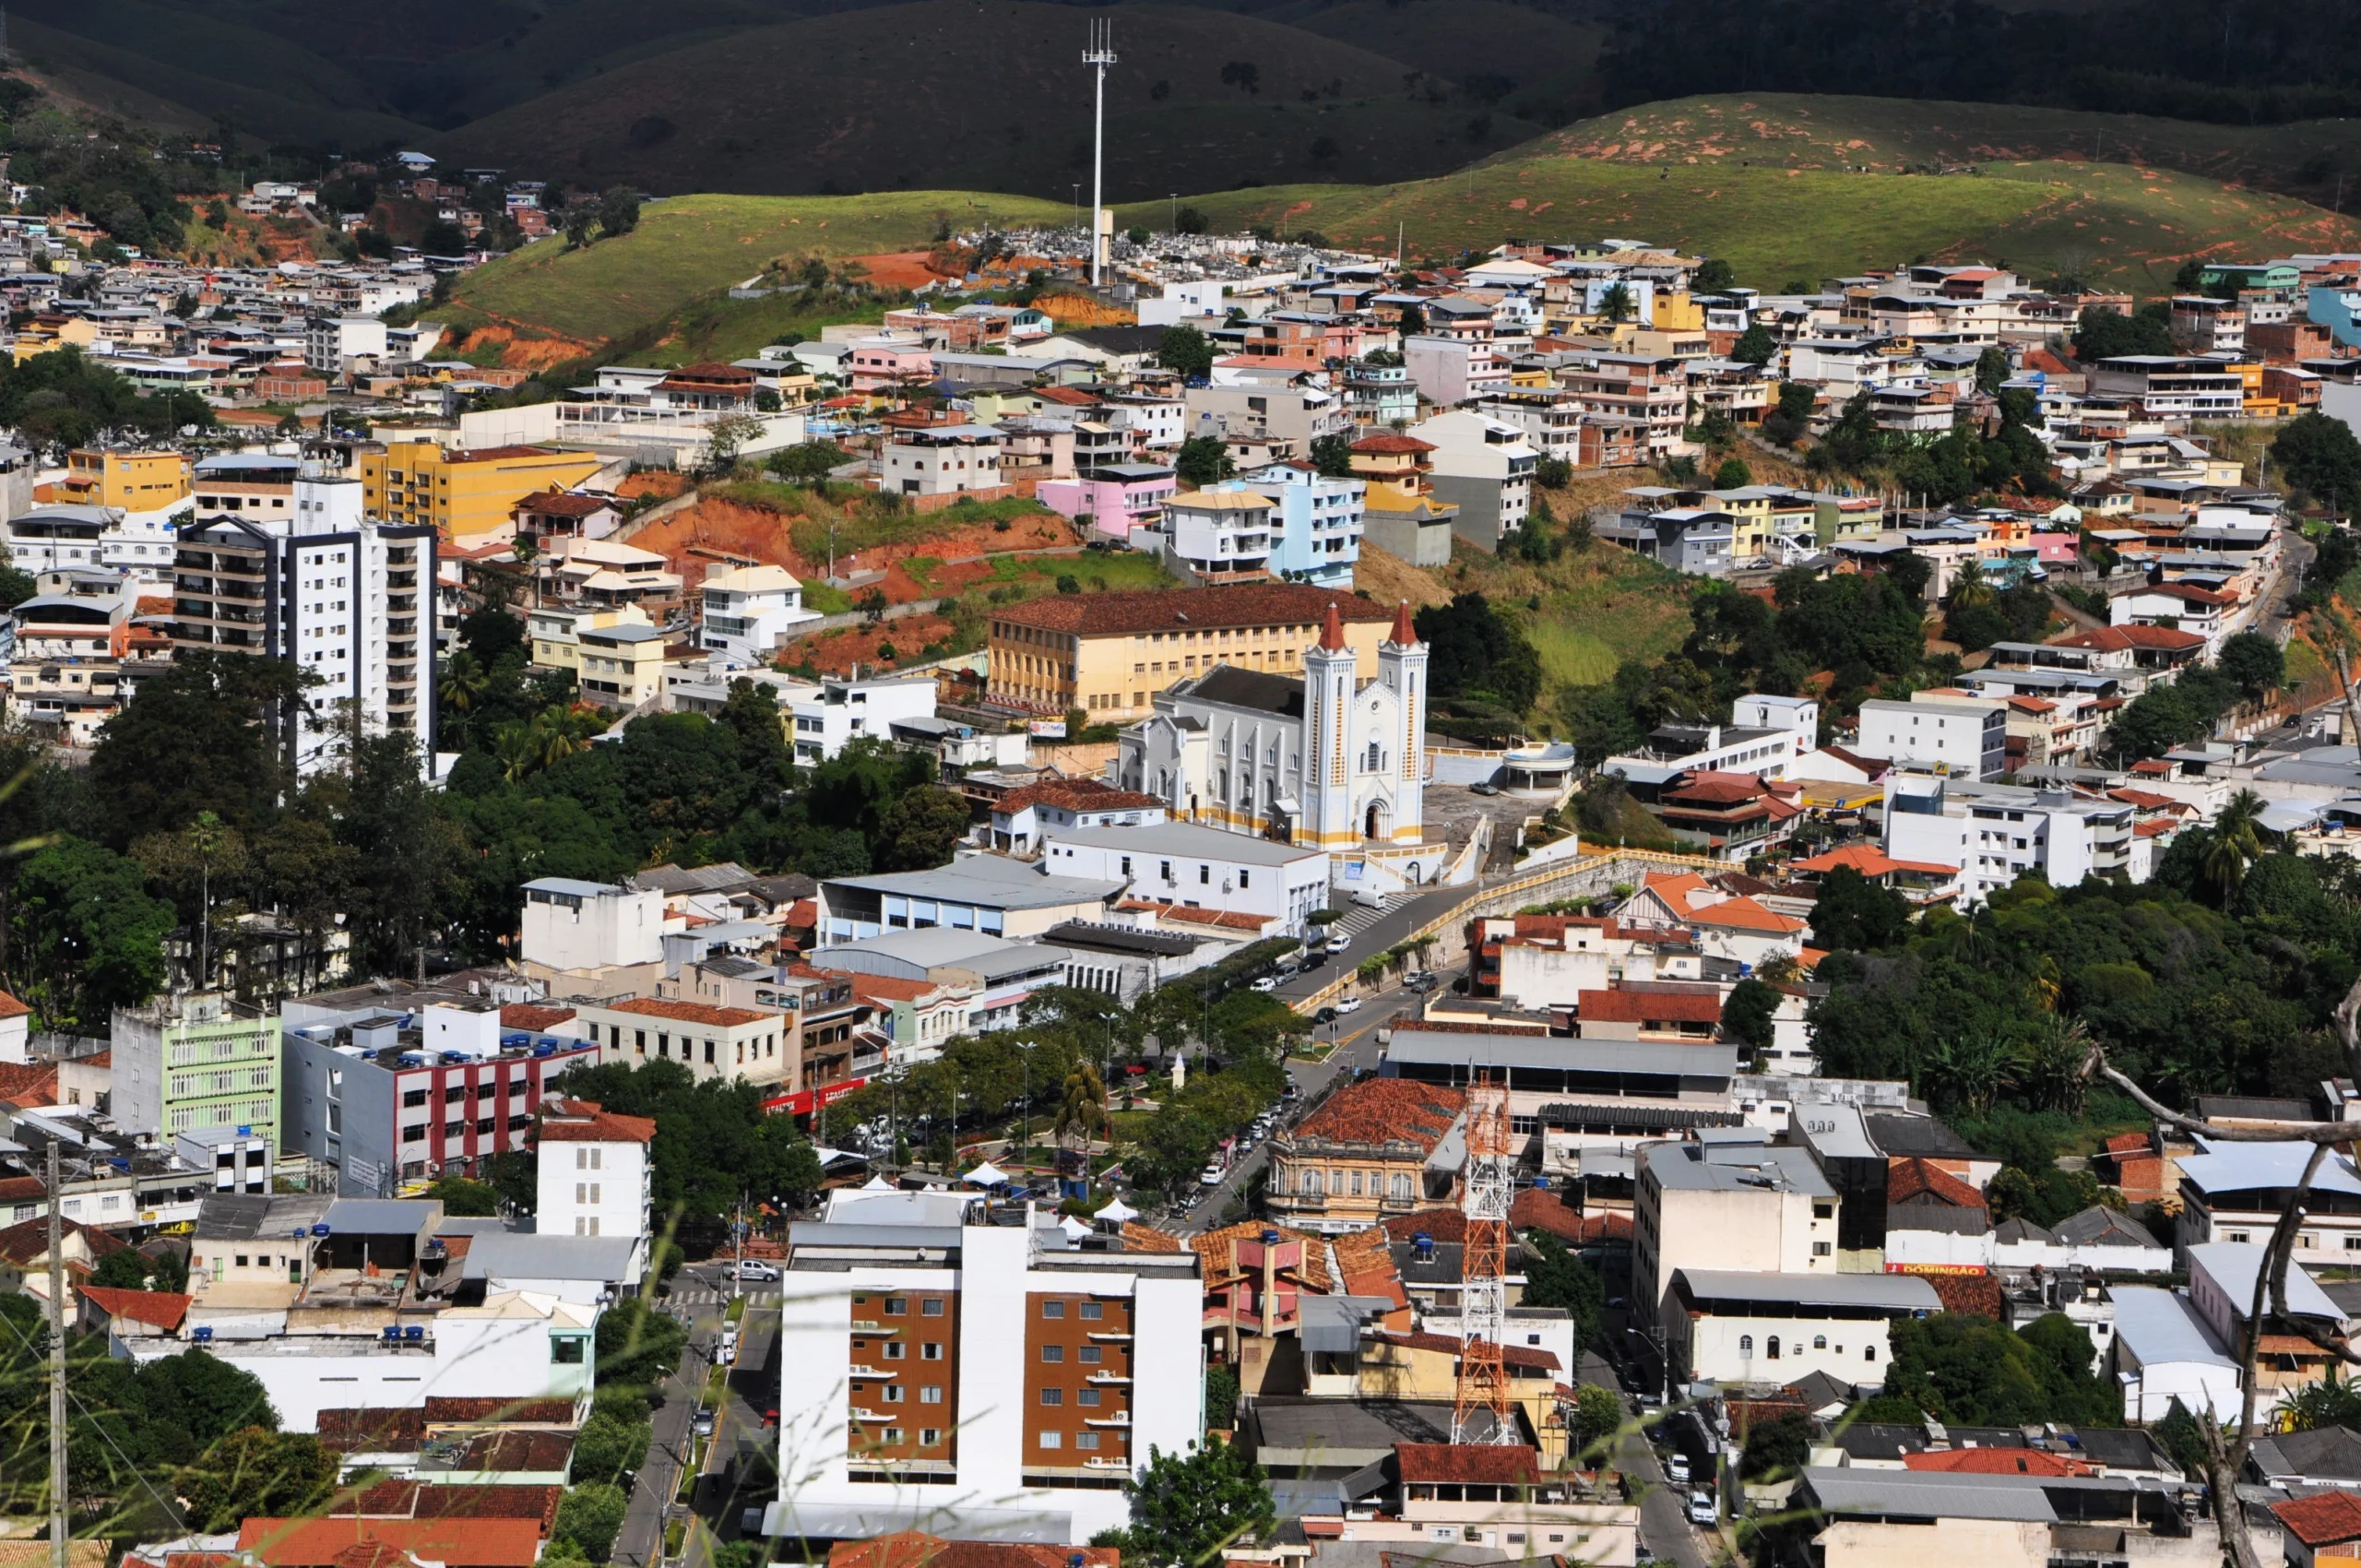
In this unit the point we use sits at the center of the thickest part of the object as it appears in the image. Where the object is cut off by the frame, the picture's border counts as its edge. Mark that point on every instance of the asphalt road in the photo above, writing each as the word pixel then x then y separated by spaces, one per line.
pixel 700 1295
pixel 1355 1037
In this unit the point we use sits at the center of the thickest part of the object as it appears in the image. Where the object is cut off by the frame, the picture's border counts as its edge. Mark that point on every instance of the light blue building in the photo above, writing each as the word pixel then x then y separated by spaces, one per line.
pixel 1319 536
pixel 2339 310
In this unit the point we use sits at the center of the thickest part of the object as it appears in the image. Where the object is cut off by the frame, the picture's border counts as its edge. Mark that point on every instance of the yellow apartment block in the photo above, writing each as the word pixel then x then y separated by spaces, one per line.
pixel 1109 654
pixel 469 495
pixel 129 481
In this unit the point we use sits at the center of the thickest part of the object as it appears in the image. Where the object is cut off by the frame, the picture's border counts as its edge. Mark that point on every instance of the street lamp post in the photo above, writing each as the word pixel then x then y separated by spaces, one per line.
pixel 1025 1049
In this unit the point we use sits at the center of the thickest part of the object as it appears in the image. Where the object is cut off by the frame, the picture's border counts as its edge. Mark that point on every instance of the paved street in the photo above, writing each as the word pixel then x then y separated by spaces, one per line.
pixel 699 1293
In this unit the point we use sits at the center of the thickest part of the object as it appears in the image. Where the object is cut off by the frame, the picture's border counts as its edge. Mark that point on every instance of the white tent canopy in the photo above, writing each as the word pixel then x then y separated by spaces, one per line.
pixel 986 1175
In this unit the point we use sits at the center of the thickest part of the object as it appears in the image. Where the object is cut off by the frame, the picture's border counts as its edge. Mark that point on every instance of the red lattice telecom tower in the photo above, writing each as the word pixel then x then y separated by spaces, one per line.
pixel 1480 1410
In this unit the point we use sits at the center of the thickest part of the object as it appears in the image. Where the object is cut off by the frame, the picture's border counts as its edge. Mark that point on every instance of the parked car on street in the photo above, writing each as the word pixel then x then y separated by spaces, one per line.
pixel 1701 1511
pixel 1348 1005
pixel 755 1268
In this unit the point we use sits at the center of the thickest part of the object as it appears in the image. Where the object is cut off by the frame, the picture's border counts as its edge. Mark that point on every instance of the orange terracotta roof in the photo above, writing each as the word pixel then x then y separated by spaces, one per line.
pixel 1869 861
pixel 2324 1518
pixel 1159 610
pixel 916 1549
pixel 1484 1463
pixel 1917 1178
pixel 1995 1462
pixel 1138 1238
pixel 1218 1253
pixel 1392 444
pixel 584 1122
pixel 456 1543
pixel 1074 794
pixel 1382 1110
pixel 1685 894
pixel 2115 640
pixel 1700 1006
pixel 1524 1356
pixel 462 1407
pixel 22 1243
pixel 527 1016
pixel 161 1309
pixel 891 987
pixel 29 1083
pixel 427 1500
pixel 689 1012
pixel 12 1008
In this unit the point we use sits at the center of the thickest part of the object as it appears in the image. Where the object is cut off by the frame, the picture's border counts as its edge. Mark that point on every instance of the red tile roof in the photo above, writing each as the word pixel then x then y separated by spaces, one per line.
pixel 425 1499
pixel 355 1430
pixel 2115 640
pixel 1995 1462
pixel 1871 861
pixel 456 1543
pixel 1653 1006
pixel 1524 1356
pixel 1382 1110
pixel 564 504
pixel 161 1309
pixel 1218 1253
pixel 689 1012
pixel 1908 1179
pixel 463 1408
pixel 1688 897
pixel 12 1008
pixel 1074 794
pixel 1162 610
pixel 1392 444
pixel 29 1083
pixel 1977 1294
pixel 916 1549
pixel 584 1122
pixel 527 1015
pixel 1496 1464
pixel 2324 1518
pixel 22 1243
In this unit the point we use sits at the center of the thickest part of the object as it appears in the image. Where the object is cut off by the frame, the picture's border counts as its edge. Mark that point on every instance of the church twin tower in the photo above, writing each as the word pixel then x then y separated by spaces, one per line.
pixel 1365 751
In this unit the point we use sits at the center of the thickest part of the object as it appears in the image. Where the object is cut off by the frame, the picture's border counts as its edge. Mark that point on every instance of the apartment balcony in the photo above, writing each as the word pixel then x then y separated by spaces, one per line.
pixel 402 604
pixel 1107 1462
pixel 1108 1379
pixel 397 582
pixel 405 649
pixel 860 1369
pixel 1121 1419
pixel 401 674
pixel 1123 1334
pixel 402 626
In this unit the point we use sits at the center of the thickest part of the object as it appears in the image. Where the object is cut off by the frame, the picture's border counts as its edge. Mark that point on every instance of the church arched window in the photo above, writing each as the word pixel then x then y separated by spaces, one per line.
pixel 1372 756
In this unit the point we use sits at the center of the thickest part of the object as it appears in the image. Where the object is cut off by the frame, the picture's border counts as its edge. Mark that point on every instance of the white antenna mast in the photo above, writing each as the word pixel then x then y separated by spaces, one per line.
pixel 1100 54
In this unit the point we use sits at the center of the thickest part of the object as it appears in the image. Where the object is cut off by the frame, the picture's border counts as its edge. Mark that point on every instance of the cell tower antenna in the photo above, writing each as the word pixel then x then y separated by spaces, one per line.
pixel 1099 55
pixel 1480 1411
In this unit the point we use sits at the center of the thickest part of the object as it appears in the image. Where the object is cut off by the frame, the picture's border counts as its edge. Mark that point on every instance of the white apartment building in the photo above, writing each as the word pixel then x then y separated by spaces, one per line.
pixel 946 1357
pixel 1734 1203
pixel 1452 371
pixel 80 538
pixel 1198 868
pixel 333 344
pixel 1551 421
pixel 1996 832
pixel 1736 1327
pixel 1316 523
pixel 1222 534
pixel 715 1044
pixel 195 1062
pixel 570 924
pixel 835 713
pixel 943 460
pixel 2236 1192
pixel 595 1175
pixel 349 600
pixel 1949 734
pixel 749 611
pixel 1484 467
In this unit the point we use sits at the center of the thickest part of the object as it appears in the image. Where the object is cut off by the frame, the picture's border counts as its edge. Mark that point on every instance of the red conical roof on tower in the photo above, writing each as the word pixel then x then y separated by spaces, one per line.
pixel 1332 632
pixel 1404 634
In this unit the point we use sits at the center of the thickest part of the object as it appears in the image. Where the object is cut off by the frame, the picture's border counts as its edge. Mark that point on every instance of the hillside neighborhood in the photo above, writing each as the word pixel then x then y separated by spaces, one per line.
pixel 1353 859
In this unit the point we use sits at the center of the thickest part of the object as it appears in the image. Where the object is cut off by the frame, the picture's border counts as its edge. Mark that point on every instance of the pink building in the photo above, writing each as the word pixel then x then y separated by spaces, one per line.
pixel 881 364
pixel 1114 497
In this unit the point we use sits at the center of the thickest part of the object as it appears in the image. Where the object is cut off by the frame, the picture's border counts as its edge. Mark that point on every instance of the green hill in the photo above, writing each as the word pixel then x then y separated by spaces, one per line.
pixel 1791 131
pixel 991 94
pixel 692 248
pixel 2107 223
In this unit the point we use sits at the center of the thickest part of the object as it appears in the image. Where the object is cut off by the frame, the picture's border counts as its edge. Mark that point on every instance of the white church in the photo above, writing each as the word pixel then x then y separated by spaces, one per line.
pixel 1328 761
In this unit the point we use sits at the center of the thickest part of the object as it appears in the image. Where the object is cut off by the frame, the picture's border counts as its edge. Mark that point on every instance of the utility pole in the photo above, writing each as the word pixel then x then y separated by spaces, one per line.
pixel 57 1522
pixel 1101 54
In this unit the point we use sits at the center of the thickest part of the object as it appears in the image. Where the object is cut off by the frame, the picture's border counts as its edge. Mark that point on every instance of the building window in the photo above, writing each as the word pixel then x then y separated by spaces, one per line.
pixel 1052 1439
pixel 931 1351
pixel 1091 1355
pixel 898 1306
pixel 1053 1309
pixel 930 1436
pixel 1822 1249
pixel 1086 1396
pixel 1086 1440
pixel 1746 1344
pixel 930 1394
pixel 1820 1341
pixel 1053 1397
pixel 1868 1352
pixel 1053 1353
pixel 1093 1311
pixel 930 1307
pixel 896 1350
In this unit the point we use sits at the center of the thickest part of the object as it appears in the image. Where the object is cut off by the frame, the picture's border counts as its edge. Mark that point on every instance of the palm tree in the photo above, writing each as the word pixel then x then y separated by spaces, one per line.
pixel 1082 1112
pixel 465 681
pixel 553 737
pixel 2237 843
pixel 1972 1070
pixel 528 551
pixel 1616 303
pixel 2057 1063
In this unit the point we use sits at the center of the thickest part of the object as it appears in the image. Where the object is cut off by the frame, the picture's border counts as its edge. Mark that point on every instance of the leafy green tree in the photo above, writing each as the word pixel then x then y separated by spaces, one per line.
pixel 1992 368
pixel 1747 1013
pixel 1555 1277
pixel 2332 1402
pixel 610 1446
pixel 1187 1507
pixel 1713 276
pixel 619 211
pixel 1796 399
pixel 637 1347
pixel 86 937
pixel 125 1270
pixel 1775 1449
pixel 2254 661
pixel 2105 334
pixel 462 1198
pixel 1970 1371
pixel 1413 320
pixel 1202 460
pixel 257 1473
pixel 1755 346
pixel 1598 1417
pixel 1332 455
pixel 1733 474
pixel 1854 913
pixel 1186 353
pixel 809 462
pixel 1472 648
pixel 591 1517
pixel 196 736
pixel 2237 843
pixel 2320 455
pixel 920 828
pixel 1616 303
pixel 2183 1440
pixel 406 854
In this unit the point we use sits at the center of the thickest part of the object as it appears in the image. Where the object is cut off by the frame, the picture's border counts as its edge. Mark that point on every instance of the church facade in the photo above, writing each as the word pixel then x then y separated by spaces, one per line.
pixel 1323 760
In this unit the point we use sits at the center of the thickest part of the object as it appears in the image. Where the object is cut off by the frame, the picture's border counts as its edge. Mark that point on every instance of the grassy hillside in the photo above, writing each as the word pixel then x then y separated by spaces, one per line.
pixel 992 95
pixel 2108 222
pixel 1889 135
pixel 687 249
pixel 1537 66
